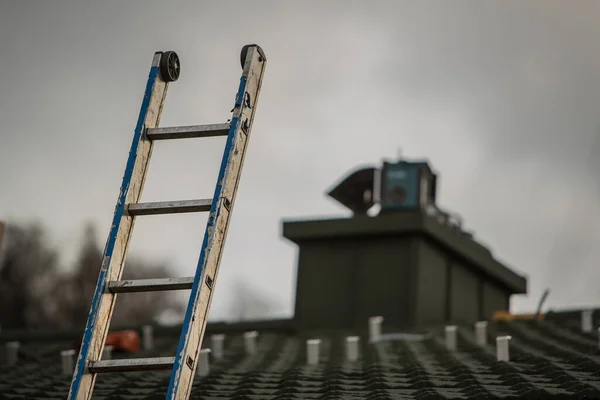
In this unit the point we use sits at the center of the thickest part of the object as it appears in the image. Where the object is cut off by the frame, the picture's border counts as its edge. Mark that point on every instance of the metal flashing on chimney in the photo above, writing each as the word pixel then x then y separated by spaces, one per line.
pixel 250 342
pixel 203 363
pixel 312 351
pixel 502 348
pixel 450 332
pixel 352 352
pixel 375 328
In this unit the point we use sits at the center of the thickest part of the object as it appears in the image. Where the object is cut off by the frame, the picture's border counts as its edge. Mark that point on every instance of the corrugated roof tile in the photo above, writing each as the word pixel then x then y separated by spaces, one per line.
pixel 548 360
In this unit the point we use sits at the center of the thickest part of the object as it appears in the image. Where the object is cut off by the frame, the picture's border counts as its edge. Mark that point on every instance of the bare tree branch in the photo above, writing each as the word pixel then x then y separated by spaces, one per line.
pixel 27 274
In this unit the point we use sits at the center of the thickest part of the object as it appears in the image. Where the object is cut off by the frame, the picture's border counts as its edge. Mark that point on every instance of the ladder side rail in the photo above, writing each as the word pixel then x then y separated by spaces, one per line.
pixel 116 246
pixel 194 324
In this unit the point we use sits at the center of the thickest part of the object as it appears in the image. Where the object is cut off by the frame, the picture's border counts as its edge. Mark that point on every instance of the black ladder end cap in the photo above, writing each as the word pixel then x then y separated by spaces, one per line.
pixel 244 53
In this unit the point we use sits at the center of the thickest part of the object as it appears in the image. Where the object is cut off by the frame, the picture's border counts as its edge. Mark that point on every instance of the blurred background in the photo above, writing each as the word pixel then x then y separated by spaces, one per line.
pixel 501 97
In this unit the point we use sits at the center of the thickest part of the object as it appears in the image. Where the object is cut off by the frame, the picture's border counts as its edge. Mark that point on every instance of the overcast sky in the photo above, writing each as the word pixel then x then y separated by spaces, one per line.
pixel 502 97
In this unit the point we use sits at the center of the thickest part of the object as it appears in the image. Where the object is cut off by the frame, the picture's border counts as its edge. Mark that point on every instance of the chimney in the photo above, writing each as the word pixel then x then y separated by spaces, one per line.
pixel 312 351
pixel 250 342
pixel 352 350
pixel 404 264
pixel 375 328
pixel 12 353
pixel 67 358
pixel 217 342
pixel 203 367
pixel 451 337
pixel 502 348
pixel 481 333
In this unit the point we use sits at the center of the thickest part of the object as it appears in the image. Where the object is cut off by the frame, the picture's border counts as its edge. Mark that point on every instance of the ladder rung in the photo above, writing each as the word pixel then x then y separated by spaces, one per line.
pixel 150 285
pixel 187 132
pixel 131 364
pixel 169 207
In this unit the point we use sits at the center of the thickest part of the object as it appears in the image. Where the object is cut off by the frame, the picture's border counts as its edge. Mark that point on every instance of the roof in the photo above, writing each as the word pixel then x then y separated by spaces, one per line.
pixel 549 359
pixel 403 223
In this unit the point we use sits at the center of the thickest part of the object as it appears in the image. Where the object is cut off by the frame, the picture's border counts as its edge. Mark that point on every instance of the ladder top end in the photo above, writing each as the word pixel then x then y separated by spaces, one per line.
pixel 244 53
pixel 169 66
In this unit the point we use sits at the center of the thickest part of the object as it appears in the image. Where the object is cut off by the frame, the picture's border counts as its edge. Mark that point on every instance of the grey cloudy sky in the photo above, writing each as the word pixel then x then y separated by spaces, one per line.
pixel 503 97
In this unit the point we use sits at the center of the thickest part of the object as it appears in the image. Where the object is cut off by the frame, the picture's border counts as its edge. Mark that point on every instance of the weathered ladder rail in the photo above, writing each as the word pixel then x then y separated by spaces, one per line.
pixel 194 325
pixel 166 68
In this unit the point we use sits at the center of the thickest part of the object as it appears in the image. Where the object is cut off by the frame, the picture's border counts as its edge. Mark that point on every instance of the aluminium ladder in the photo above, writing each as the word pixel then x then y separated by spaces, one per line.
pixel 166 68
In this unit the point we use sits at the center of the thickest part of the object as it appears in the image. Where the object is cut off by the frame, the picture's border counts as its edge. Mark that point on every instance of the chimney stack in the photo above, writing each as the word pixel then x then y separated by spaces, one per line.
pixel 333 289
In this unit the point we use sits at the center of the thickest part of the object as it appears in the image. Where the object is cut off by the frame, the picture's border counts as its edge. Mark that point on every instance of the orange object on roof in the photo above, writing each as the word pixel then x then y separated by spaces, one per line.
pixel 507 316
pixel 127 340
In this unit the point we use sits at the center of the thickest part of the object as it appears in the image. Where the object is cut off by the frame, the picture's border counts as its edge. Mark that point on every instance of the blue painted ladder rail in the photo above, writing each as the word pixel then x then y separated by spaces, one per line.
pixel 165 68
